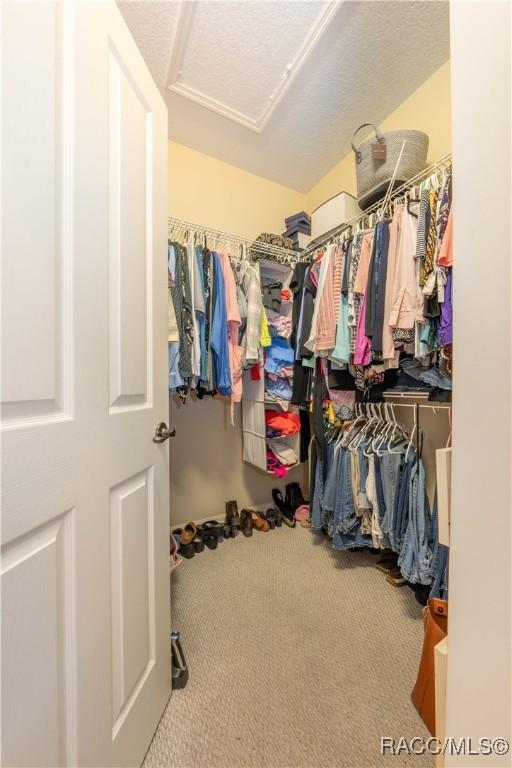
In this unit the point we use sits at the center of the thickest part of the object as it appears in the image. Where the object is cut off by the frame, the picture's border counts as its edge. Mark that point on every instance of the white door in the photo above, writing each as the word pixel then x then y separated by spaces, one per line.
pixel 85 525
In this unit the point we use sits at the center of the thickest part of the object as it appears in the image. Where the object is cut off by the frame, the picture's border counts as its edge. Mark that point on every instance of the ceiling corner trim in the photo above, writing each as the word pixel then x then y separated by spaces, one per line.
pixel 214 106
pixel 322 22
pixel 183 28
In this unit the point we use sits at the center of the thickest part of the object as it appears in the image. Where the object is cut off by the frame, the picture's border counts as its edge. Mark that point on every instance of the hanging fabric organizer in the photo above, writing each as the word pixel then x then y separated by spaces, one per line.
pixel 271 425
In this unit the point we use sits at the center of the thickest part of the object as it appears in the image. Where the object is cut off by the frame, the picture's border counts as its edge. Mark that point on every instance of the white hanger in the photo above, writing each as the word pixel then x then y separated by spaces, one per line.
pixel 396 426
pixel 412 436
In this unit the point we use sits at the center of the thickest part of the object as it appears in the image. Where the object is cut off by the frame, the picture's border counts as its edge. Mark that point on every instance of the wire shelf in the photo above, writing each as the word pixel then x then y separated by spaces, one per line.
pixel 400 191
pixel 216 237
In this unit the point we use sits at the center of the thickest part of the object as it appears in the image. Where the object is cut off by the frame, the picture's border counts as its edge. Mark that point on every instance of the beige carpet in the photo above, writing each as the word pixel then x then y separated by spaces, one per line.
pixel 299 656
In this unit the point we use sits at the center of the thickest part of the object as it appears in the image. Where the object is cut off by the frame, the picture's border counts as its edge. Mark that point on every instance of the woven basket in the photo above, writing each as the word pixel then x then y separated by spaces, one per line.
pixel 373 176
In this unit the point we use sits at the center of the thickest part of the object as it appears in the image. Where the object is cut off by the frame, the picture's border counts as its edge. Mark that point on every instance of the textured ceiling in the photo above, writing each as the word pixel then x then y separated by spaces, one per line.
pixel 277 88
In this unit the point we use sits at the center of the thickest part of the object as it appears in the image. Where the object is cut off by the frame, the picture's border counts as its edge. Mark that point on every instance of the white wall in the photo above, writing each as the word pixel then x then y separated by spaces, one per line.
pixel 479 650
pixel 206 464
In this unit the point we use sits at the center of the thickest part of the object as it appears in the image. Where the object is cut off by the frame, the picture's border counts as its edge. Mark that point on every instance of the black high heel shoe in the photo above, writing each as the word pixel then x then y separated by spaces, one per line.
pixel 284 508
pixel 294 497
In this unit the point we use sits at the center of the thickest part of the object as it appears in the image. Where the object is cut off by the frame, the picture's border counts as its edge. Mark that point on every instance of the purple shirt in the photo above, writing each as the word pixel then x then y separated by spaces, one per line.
pixel 446 324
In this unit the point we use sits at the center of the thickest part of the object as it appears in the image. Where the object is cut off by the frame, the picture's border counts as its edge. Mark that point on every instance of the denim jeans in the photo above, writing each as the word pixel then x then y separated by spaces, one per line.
pixel 439 559
pixel 348 540
pixel 385 543
pixel 329 486
pixel 415 559
pixel 316 506
pixel 345 517
pixel 390 475
pixel 400 510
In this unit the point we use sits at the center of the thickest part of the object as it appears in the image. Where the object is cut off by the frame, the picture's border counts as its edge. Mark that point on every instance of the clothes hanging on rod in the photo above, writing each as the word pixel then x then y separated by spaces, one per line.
pixel 369 491
pixel 376 302
pixel 222 317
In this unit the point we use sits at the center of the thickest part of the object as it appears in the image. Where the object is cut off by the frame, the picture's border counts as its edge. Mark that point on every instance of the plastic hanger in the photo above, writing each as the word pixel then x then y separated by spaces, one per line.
pixel 412 436
pixel 381 439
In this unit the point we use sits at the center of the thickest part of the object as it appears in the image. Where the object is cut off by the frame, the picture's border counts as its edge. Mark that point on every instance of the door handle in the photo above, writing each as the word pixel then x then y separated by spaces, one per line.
pixel 163 433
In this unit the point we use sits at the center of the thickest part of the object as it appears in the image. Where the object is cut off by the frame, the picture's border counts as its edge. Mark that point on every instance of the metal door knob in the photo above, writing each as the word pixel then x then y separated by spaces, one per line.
pixel 163 433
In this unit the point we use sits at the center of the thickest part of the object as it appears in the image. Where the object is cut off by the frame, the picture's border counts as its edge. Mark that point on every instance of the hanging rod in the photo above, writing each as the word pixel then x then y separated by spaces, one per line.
pixel 328 237
pixel 255 248
pixel 432 406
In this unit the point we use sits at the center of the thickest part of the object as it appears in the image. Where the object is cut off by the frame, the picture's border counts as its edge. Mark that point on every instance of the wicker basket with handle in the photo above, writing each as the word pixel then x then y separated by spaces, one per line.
pixel 373 175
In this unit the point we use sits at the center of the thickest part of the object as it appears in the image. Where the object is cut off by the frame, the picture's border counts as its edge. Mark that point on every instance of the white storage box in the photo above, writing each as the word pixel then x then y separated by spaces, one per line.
pixel 335 211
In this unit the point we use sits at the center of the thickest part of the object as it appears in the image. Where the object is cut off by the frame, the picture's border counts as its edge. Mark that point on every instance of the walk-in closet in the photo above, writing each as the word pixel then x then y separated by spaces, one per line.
pixel 256 383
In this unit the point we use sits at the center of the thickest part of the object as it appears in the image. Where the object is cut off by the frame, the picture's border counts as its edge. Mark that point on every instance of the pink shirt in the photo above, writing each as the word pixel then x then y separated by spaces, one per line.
pixel 326 322
pixel 404 307
pixel 234 322
pixel 363 353
pixel 445 258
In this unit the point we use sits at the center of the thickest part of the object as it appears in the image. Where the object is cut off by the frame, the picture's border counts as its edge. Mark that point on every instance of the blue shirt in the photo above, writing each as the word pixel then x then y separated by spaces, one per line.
pixel 279 354
pixel 175 379
pixel 219 332
pixel 201 320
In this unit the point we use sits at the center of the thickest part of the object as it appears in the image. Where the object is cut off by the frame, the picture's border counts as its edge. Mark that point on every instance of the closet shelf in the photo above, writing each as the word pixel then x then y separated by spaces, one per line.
pixel 219 237
pixel 416 394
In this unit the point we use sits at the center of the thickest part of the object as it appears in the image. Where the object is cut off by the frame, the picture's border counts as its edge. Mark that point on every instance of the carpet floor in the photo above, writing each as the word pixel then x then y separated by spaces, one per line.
pixel 299 657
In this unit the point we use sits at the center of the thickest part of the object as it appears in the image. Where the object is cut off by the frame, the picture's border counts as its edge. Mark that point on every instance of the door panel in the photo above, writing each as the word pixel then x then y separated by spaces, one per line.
pixel 37 610
pixel 130 179
pixel 133 632
pixel 34 161
pixel 85 525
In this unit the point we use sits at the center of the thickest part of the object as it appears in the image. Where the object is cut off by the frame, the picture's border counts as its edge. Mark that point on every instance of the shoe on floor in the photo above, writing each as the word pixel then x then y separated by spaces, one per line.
pixel 211 540
pixel 270 515
pixel 293 496
pixel 232 516
pixel 387 561
pixel 301 514
pixel 246 522
pixel 259 522
pixel 186 536
pixel 212 526
pixel 282 507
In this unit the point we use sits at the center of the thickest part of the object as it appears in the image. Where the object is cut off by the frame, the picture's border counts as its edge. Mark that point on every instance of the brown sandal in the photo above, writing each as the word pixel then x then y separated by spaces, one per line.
pixel 259 522
pixel 186 534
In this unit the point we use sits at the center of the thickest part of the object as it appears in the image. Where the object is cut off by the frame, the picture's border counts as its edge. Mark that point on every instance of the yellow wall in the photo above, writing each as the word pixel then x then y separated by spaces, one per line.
pixel 428 109
pixel 208 191
pixel 206 455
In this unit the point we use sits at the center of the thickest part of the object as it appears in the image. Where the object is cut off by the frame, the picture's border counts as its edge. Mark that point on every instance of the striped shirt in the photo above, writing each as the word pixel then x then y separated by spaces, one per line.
pixel 338 277
pixel 326 321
